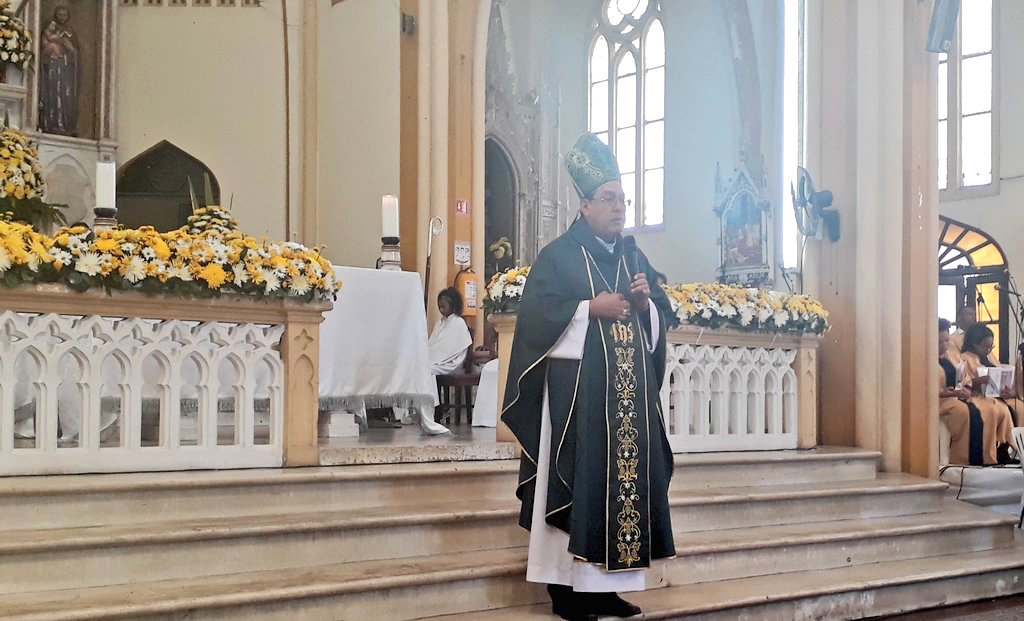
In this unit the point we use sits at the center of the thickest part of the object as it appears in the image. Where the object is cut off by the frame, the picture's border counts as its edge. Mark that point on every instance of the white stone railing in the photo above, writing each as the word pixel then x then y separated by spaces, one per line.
pixel 727 390
pixel 91 382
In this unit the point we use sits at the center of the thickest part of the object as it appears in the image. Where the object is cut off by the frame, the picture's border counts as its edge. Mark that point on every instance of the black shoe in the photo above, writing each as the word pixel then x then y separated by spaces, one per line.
pixel 611 605
pixel 567 604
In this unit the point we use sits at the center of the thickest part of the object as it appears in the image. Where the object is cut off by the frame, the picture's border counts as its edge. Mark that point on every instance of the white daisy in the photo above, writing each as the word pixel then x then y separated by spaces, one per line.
pixel 5 260
pixel 241 276
pixel 62 255
pixel 89 263
pixel 299 285
pixel 271 282
pixel 181 273
pixel 134 269
pixel 149 253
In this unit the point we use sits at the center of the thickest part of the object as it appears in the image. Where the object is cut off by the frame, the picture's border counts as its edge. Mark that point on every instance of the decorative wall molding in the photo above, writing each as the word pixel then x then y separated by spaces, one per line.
pixel 526 125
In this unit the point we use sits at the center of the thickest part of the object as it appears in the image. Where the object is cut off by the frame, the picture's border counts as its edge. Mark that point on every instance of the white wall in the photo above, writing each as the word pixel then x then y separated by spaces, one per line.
pixel 550 42
pixel 209 80
pixel 1002 215
pixel 359 125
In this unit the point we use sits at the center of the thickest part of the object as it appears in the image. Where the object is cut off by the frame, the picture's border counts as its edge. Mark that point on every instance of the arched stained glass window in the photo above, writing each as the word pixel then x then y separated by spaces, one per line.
pixel 627 101
pixel 973 272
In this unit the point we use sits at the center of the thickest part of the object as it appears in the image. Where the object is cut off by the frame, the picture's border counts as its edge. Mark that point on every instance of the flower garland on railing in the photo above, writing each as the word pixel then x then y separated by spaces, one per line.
pixel 505 290
pixel 15 39
pixel 713 305
pixel 178 263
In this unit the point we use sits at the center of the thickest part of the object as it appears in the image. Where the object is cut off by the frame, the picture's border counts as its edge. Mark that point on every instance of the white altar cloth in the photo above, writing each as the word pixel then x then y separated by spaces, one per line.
pixel 485 409
pixel 373 344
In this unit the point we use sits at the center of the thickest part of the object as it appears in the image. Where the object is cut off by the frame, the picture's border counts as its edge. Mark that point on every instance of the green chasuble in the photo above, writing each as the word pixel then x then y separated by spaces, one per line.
pixel 610 460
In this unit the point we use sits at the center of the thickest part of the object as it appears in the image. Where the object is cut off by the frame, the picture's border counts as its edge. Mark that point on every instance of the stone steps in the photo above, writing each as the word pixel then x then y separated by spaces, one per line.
pixel 277 548
pixel 887 495
pixel 85 500
pixel 86 556
pixel 856 592
pixel 410 541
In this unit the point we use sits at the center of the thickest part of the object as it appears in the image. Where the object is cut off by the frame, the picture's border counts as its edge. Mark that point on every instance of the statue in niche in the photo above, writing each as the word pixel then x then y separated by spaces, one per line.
pixel 58 75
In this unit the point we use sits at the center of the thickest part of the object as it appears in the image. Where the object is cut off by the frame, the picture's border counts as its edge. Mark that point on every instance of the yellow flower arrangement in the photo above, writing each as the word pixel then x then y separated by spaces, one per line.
pixel 177 263
pixel 21 175
pixel 15 39
pixel 211 218
pixel 716 305
pixel 505 290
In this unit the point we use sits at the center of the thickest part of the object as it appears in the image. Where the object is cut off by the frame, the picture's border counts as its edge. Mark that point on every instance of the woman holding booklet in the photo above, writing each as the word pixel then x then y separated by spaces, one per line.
pixel 979 426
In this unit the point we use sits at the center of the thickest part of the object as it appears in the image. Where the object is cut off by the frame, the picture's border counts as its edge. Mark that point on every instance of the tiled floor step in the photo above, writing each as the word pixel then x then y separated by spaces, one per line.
pixel 84 500
pixel 99 555
pixel 857 592
pixel 705 556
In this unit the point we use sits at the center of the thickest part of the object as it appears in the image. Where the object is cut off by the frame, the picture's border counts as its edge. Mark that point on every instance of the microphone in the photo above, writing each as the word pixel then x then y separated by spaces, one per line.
pixel 1007 291
pixel 629 251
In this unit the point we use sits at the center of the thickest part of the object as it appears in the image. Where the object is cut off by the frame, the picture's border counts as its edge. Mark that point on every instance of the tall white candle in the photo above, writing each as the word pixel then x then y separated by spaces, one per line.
pixel 389 216
pixel 106 185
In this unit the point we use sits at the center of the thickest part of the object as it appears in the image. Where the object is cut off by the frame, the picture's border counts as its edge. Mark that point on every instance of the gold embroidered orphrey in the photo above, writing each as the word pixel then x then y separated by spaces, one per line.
pixel 627 458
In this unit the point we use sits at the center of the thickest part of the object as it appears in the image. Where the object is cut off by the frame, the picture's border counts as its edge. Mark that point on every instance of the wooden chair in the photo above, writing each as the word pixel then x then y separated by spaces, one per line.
pixel 457 392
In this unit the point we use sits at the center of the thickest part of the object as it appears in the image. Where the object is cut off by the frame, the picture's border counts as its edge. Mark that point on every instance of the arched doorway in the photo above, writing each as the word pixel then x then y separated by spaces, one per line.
pixel 501 212
pixel 152 188
pixel 973 271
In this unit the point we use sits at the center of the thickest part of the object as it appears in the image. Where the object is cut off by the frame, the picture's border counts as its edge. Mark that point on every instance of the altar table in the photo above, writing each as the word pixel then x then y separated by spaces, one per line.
pixel 373 348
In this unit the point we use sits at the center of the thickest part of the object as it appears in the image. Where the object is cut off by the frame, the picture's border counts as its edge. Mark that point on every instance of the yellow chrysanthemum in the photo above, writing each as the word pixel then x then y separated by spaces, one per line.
pixel 214 275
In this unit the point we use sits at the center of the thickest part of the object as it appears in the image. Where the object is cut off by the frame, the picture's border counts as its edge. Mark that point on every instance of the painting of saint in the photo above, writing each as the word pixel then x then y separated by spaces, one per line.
pixel 59 75
pixel 743 235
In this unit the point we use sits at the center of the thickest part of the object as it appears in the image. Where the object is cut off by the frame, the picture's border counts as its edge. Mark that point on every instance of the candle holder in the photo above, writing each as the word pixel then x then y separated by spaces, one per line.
pixel 390 254
pixel 104 219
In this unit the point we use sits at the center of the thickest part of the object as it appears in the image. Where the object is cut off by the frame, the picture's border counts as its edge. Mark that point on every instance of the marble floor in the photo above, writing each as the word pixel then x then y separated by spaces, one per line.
pixel 409 444
pixel 1006 609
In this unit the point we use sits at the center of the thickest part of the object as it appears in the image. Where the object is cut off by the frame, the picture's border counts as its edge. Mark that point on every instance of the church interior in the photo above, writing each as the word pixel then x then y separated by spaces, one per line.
pixel 258 310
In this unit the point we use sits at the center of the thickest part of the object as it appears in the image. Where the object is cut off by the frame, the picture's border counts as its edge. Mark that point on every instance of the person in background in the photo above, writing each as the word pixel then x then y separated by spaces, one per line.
pixel 978 426
pixel 447 347
pixel 977 349
pixel 965 318
pixel 450 339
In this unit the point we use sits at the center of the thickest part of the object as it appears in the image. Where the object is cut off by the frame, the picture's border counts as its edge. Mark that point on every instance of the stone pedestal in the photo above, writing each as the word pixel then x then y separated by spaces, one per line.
pixel 505 325
pixel 340 424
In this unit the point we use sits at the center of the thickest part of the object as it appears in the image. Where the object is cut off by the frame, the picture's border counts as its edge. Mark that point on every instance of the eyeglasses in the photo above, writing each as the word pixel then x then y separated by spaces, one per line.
pixel 610 201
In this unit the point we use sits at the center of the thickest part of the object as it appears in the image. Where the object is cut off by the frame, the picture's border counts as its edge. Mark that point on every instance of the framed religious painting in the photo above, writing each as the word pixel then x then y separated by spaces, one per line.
pixel 744 231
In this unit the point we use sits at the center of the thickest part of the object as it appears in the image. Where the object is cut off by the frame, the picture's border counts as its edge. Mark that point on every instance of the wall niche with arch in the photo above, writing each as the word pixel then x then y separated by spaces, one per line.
pixel 153 188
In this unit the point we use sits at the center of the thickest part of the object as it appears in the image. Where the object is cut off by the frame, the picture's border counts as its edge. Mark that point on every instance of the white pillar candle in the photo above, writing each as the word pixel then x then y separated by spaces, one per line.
pixel 389 216
pixel 106 185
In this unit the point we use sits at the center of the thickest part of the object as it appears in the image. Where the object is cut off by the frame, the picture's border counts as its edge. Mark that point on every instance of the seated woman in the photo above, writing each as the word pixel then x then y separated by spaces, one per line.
pixel 977 347
pixel 450 338
pixel 979 427
pixel 446 352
